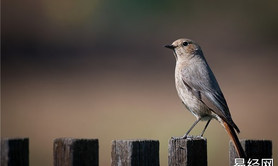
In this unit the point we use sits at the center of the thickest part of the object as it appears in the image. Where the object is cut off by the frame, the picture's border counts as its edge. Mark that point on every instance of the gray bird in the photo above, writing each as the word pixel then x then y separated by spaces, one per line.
pixel 199 91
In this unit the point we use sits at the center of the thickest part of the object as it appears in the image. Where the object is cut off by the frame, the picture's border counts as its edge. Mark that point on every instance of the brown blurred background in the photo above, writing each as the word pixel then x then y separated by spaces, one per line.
pixel 98 69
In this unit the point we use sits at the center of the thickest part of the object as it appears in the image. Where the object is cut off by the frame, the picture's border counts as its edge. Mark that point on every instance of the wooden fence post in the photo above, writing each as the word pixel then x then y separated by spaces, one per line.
pixel 75 152
pixel 187 152
pixel 14 151
pixel 254 149
pixel 135 153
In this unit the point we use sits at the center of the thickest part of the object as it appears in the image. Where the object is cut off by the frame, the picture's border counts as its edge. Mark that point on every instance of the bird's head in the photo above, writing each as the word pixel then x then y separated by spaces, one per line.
pixel 185 48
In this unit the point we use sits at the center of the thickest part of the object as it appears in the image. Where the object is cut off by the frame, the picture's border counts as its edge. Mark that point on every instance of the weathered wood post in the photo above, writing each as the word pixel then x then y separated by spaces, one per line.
pixel 254 150
pixel 187 152
pixel 135 153
pixel 75 152
pixel 14 151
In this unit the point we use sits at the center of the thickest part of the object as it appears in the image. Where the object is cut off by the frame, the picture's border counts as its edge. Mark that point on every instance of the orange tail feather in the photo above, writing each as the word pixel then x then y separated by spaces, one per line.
pixel 230 130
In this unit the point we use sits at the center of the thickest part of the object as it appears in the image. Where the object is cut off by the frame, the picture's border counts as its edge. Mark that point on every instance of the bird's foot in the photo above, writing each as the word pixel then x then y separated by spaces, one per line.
pixel 188 137
pixel 199 136
pixel 192 137
pixel 183 137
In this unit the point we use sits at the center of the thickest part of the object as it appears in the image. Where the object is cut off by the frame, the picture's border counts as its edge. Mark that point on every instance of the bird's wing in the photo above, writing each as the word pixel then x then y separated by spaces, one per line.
pixel 207 90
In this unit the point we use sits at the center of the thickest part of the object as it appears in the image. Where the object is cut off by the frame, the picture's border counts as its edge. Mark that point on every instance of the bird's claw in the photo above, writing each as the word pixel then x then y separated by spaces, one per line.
pixel 183 137
pixel 188 137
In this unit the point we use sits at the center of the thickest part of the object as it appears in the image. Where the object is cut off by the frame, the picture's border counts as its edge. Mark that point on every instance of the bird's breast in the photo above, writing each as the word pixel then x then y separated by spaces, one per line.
pixel 192 103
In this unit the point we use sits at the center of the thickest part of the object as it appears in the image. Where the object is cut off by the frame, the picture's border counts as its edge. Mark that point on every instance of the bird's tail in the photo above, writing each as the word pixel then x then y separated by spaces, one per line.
pixel 230 130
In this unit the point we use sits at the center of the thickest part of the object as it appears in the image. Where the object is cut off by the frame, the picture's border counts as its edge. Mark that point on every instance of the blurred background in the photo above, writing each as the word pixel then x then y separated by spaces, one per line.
pixel 98 69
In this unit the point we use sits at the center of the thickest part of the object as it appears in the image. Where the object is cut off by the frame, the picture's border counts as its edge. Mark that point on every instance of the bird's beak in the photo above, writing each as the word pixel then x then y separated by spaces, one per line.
pixel 170 47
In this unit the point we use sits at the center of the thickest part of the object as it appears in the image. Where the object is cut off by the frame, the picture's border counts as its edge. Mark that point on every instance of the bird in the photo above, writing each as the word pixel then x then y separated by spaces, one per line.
pixel 199 90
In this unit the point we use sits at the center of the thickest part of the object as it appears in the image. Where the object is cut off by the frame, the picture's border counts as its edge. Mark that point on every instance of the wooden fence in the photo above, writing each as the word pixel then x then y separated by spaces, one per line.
pixel 85 152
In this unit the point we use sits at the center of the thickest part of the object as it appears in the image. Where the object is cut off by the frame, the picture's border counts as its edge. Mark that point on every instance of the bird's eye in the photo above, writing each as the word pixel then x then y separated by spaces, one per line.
pixel 185 43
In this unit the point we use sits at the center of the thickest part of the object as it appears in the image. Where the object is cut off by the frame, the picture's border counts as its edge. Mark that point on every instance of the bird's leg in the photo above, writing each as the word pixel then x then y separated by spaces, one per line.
pixel 205 128
pixel 194 124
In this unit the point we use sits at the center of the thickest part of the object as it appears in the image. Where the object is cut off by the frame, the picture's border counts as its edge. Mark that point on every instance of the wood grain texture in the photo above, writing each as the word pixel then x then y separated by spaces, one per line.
pixel 187 152
pixel 14 152
pixel 135 153
pixel 76 152
pixel 254 149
